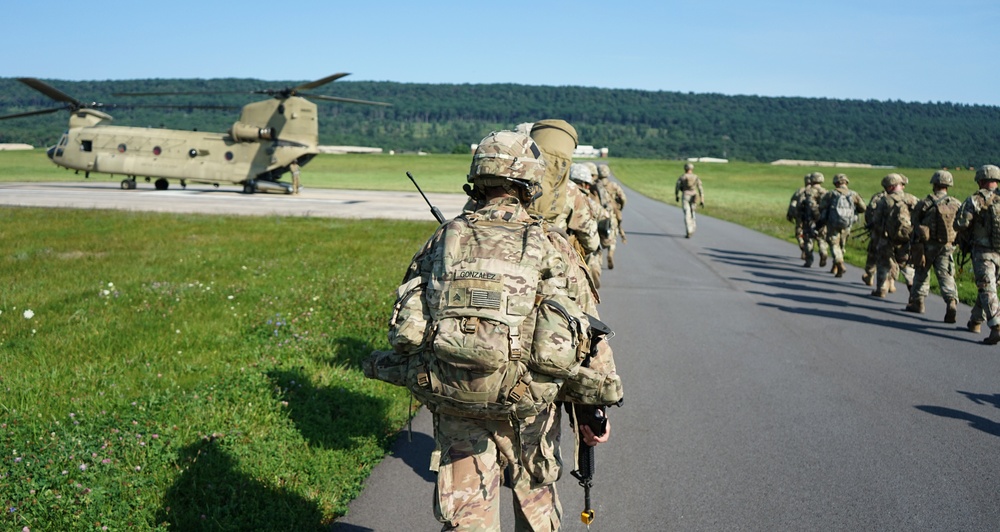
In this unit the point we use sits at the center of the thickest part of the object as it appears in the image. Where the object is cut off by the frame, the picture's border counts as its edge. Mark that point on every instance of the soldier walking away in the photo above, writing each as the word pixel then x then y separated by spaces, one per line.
pixel 296 171
pixel 616 203
pixel 485 332
pixel 839 209
pixel 793 213
pixel 581 177
pixel 813 232
pixel 892 222
pixel 933 246
pixel 978 223
pixel 689 186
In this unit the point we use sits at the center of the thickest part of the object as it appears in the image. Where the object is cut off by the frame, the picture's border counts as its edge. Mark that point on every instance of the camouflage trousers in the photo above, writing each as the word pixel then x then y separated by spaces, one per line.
pixel 470 460
pixel 595 262
pixel 837 241
pixel 871 261
pixel 688 203
pixel 815 239
pixel 609 237
pixel 799 236
pixel 893 259
pixel 986 266
pixel 940 258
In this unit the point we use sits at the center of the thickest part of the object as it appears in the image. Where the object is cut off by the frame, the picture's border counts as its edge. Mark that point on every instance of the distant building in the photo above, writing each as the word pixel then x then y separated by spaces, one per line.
pixel 707 160
pixel 348 149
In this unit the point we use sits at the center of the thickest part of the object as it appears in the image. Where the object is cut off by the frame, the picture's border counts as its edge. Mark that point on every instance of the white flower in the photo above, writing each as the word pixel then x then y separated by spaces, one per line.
pixel 230 297
pixel 111 285
pixel 28 314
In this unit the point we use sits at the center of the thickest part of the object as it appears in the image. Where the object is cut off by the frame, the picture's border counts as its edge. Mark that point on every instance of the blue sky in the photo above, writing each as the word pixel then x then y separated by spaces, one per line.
pixel 914 51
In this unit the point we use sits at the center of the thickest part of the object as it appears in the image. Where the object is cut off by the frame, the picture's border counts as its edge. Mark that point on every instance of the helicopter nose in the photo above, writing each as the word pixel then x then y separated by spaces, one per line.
pixel 50 152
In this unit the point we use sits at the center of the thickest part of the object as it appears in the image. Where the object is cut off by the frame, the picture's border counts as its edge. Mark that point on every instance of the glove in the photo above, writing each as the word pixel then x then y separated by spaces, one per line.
pixel 702 204
pixel 677 199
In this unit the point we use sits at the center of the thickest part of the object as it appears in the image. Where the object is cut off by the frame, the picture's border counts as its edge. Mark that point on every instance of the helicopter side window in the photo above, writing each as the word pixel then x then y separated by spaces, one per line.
pixel 86 145
pixel 64 140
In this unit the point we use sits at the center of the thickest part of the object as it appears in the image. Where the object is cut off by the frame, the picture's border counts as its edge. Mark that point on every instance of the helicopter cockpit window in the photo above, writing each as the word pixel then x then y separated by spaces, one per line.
pixel 64 140
pixel 122 147
pixel 86 145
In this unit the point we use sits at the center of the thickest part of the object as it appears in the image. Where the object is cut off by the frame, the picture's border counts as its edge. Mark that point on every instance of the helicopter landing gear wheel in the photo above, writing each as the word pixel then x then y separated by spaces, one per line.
pixel 161 184
pixel 128 184
pixel 249 187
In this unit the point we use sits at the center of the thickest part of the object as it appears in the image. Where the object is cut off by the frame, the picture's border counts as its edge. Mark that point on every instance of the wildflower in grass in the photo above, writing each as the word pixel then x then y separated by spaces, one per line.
pixel 28 314
pixel 83 467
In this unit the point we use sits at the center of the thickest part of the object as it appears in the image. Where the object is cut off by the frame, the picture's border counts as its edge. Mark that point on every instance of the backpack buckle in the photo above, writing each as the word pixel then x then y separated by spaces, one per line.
pixel 469 325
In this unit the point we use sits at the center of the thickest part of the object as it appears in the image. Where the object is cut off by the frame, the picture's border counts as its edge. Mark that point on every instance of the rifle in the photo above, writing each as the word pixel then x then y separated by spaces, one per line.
pixel 596 418
pixel 434 210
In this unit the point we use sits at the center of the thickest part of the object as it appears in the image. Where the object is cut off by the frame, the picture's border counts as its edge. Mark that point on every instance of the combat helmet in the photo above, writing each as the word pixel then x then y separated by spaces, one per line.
pixel 892 180
pixel 688 166
pixel 603 171
pixel 579 173
pixel 942 178
pixel 817 177
pixel 808 179
pixel 988 172
pixel 592 167
pixel 506 155
pixel 840 179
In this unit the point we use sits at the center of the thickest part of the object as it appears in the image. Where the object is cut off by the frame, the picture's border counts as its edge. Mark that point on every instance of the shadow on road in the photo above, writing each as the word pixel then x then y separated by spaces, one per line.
pixel 974 421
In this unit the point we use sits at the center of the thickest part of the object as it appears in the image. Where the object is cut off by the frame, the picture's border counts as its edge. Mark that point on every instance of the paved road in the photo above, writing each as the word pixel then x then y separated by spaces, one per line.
pixel 229 200
pixel 761 396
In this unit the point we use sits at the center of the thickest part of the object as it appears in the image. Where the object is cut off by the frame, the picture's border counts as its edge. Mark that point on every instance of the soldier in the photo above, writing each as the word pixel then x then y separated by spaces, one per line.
pixel 793 213
pixel 892 222
pixel 868 277
pixel 839 209
pixel 689 185
pixel 296 173
pixel 933 246
pixel 456 336
pixel 813 232
pixel 589 215
pixel 616 199
pixel 977 223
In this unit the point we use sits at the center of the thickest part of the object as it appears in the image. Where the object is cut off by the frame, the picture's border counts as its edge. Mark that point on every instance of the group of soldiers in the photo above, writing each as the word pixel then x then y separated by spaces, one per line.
pixel 496 328
pixel 909 237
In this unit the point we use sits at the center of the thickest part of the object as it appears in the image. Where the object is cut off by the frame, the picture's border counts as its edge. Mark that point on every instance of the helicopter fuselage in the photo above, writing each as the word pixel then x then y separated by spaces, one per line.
pixel 256 151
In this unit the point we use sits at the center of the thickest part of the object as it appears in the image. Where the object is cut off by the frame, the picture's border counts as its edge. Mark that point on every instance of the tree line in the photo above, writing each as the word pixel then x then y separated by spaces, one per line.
pixel 443 118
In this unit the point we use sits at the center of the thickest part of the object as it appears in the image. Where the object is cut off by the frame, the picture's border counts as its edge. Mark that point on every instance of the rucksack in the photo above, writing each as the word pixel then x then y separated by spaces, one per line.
pixel 475 340
pixel 942 228
pixel 841 214
pixel 809 208
pixel 898 225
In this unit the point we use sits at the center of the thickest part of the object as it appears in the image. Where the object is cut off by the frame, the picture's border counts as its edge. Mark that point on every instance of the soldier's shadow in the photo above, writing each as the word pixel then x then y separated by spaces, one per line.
pixel 212 494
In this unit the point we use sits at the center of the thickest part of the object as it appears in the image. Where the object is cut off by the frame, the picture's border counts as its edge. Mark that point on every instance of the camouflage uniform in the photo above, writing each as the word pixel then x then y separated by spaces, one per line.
pixel 581 176
pixel 616 203
pixel 813 232
pixel 977 223
pixel 689 186
pixel 933 247
pixel 836 239
pixel 793 216
pixel 474 444
pixel 893 256
pixel 871 259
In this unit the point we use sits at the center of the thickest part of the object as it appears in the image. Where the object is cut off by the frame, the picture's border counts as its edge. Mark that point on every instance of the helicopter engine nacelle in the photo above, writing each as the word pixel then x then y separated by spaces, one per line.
pixel 246 133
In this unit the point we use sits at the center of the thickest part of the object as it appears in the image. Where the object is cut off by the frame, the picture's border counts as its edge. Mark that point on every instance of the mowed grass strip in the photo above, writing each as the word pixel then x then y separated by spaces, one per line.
pixel 192 371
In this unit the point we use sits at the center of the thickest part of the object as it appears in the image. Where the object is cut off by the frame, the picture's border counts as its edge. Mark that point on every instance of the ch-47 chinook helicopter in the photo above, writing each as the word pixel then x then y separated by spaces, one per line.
pixel 268 139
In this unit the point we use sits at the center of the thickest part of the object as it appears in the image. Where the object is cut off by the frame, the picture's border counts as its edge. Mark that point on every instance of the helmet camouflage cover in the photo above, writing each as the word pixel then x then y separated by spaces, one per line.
pixel 688 166
pixel 506 155
pixel 943 178
pixel 579 173
pixel 603 171
pixel 892 180
pixel 818 177
pixel 988 172
pixel 840 179
pixel 592 167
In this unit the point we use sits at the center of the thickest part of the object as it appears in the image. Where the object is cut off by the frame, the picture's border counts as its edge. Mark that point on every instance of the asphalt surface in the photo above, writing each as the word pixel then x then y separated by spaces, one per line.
pixel 759 395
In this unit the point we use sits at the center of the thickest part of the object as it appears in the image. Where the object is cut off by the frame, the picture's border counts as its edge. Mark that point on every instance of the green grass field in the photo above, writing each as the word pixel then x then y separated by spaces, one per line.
pixel 210 380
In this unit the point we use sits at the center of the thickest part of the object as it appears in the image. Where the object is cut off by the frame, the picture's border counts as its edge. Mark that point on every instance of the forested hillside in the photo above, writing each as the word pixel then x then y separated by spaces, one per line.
pixel 631 123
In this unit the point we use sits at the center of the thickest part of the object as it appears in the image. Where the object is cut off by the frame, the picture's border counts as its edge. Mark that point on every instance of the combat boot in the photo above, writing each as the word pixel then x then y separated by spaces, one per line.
pixel 994 337
pixel 868 279
pixel 892 286
pixel 878 293
pixel 611 261
pixel 841 269
pixel 822 261
pixel 915 306
pixel 802 256
pixel 973 326
pixel 950 314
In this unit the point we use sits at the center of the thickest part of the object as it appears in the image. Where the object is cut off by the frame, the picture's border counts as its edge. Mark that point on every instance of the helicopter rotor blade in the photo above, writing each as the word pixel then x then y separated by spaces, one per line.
pixel 320 82
pixel 345 100
pixel 51 91
pixel 33 113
